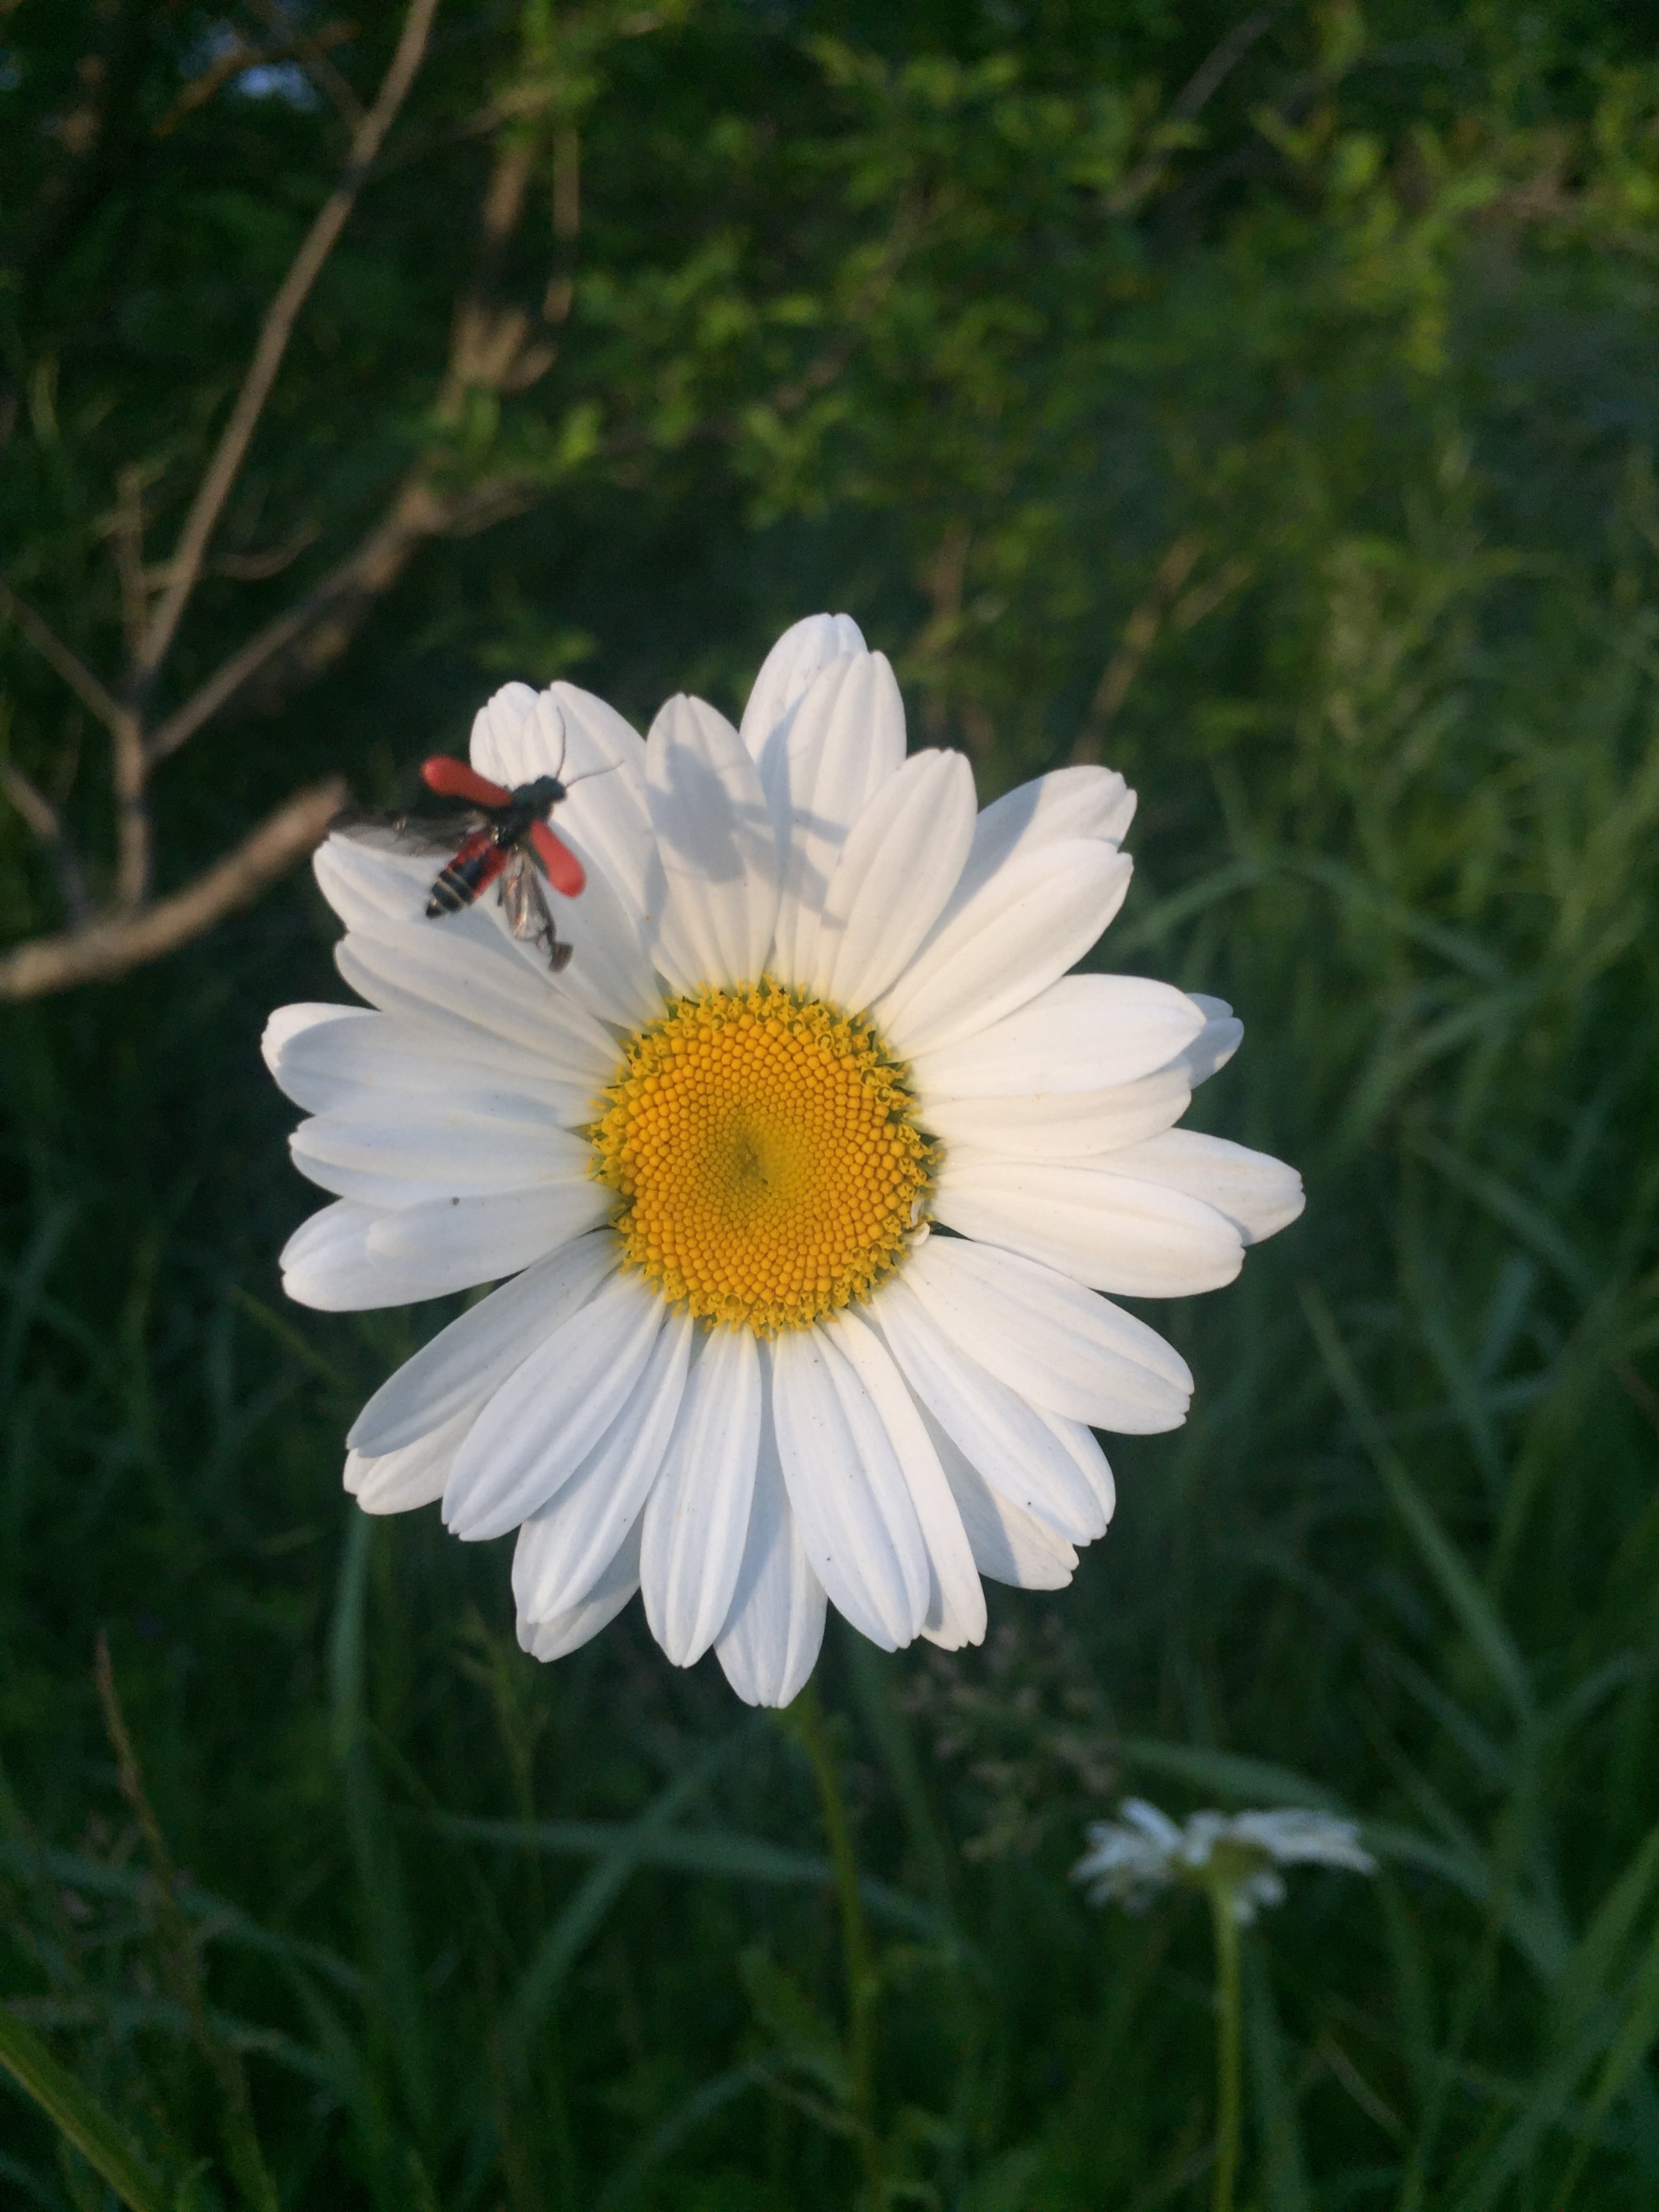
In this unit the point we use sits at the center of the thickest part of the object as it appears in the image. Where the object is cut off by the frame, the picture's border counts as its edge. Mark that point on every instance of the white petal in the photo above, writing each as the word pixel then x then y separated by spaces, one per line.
pixel 565 1547
pixel 427 968
pixel 400 1152
pixel 1083 1033
pixel 1047 1338
pixel 339 1055
pixel 367 885
pixel 415 1475
pixel 1008 1544
pixel 1137 1239
pixel 1061 1125
pixel 1259 1195
pixel 609 971
pixel 843 742
pixel 480 1240
pixel 282 1040
pixel 897 870
pixel 1081 1442
pixel 521 735
pixel 851 1502
pixel 696 1519
pixel 956 1599
pixel 604 776
pixel 548 1415
pixel 1070 802
pixel 1216 1042
pixel 327 1264
pixel 565 1631
pixel 517 734
pixel 786 674
pixel 997 1431
pixel 712 887
pixel 1076 1125
pixel 474 1355
pixel 1037 915
pixel 771 1642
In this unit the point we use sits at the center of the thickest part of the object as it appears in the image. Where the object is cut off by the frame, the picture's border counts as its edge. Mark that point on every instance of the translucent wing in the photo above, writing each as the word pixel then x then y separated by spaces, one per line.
pixel 433 835
pixel 524 905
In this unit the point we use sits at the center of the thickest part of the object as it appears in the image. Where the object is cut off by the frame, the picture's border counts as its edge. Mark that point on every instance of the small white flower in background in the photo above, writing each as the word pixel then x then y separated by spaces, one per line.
pixel 1132 1861
pixel 815 1005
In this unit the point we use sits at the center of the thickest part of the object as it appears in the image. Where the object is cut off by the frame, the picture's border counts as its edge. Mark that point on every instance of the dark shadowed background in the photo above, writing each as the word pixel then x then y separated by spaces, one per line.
pixel 1264 403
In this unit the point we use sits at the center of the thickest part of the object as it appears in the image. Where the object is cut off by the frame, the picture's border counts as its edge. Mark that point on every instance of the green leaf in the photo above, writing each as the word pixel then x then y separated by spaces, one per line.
pixel 802 2037
pixel 1005 2185
pixel 1284 2169
pixel 1474 1610
pixel 102 2142
pixel 1228 1774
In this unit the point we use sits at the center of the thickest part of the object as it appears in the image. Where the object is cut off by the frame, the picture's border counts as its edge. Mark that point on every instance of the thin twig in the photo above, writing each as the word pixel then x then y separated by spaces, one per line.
pixel 129 767
pixel 1140 635
pixel 111 946
pixel 237 59
pixel 1194 96
pixel 127 535
pixel 47 824
pixel 560 295
pixel 310 50
pixel 129 782
pixel 47 643
pixel 32 802
pixel 224 466
pixel 415 514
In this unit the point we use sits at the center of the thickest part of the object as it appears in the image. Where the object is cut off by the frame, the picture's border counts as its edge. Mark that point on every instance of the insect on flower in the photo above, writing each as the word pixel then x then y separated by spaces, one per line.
pixel 504 839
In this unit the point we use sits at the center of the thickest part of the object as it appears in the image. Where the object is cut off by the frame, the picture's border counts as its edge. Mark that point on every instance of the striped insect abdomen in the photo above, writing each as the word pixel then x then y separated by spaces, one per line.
pixel 474 868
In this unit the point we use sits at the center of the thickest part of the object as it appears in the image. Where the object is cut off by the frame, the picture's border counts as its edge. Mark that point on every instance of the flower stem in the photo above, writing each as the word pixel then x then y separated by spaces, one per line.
pixel 858 1960
pixel 1227 2066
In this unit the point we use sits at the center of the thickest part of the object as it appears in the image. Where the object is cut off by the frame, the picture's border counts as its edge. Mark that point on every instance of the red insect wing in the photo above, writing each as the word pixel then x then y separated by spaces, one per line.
pixel 453 779
pixel 564 871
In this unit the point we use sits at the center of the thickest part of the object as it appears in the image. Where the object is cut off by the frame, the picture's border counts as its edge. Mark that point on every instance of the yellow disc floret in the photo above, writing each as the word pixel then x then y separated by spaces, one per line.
pixel 764 1149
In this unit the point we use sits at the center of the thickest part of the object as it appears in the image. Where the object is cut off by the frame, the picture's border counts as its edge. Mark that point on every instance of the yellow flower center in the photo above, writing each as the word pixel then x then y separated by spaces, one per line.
pixel 768 1163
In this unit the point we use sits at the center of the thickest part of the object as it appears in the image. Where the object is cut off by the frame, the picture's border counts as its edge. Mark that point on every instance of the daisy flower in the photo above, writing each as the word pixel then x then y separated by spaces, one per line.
pixel 1130 1862
pixel 817 1012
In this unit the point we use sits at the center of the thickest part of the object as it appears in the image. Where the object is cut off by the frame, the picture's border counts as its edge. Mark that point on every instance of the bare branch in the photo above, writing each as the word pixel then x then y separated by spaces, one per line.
pixel 327 615
pixel 119 942
pixel 32 802
pixel 70 666
pixel 561 293
pixel 47 824
pixel 129 769
pixel 129 776
pixel 260 568
pixel 224 466
pixel 290 45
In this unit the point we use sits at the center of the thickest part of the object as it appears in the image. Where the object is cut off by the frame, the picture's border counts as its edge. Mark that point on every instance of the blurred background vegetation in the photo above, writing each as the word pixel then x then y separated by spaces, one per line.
pixel 1263 402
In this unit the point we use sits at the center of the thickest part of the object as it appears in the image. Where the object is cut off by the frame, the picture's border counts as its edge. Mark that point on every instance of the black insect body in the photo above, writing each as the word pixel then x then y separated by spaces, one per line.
pixel 505 839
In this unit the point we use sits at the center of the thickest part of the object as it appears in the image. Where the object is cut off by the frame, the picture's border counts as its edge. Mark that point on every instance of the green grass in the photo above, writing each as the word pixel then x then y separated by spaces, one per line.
pixel 434 1927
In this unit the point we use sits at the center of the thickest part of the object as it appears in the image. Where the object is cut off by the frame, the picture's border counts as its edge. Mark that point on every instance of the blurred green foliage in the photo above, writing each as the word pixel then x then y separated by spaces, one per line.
pixel 1293 449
